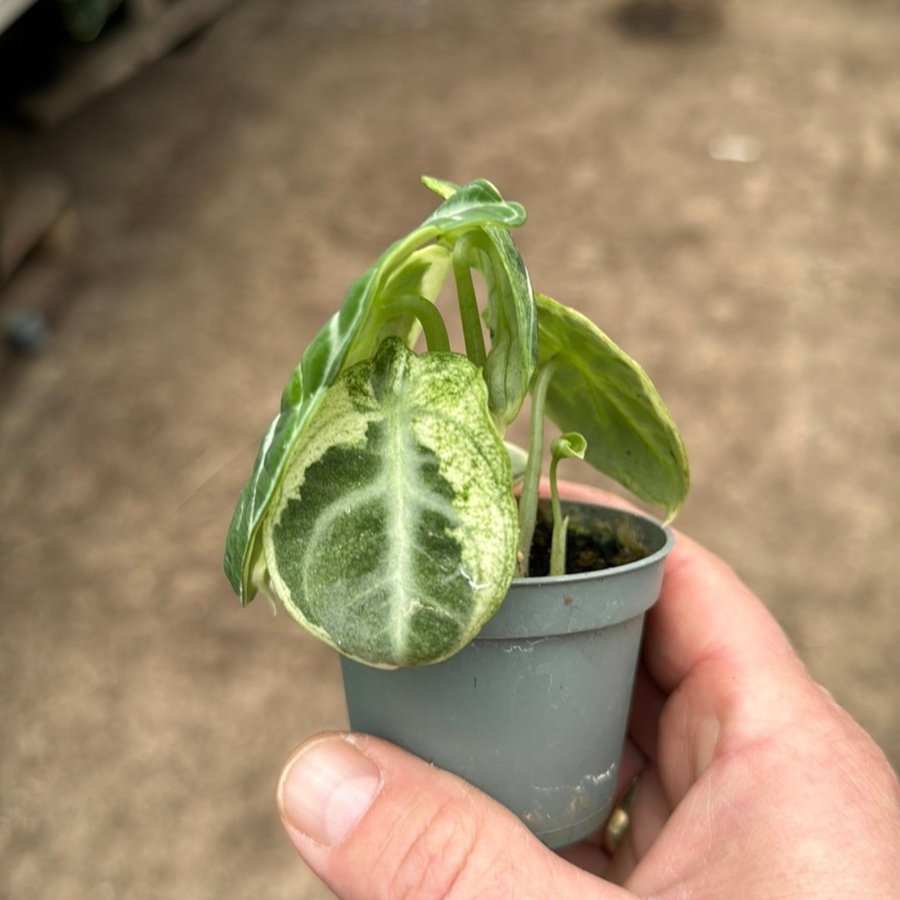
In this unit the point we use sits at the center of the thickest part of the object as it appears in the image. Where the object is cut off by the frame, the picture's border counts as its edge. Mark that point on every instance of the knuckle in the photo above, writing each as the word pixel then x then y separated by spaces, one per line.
pixel 443 858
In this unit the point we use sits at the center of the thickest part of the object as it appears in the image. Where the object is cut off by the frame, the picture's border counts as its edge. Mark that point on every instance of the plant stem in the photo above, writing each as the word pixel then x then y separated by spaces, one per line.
pixel 468 307
pixel 570 445
pixel 560 525
pixel 429 316
pixel 528 500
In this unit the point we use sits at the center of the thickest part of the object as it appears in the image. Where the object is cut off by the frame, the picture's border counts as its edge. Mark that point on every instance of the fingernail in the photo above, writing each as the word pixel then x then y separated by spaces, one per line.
pixel 326 789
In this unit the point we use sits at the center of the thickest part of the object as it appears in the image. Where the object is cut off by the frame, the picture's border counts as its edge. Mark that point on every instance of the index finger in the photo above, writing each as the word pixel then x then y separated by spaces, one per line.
pixel 705 611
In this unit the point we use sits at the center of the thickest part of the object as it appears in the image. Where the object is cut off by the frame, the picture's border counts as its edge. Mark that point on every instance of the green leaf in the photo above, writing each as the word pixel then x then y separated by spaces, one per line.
pixel 417 263
pixel 392 537
pixel 510 313
pixel 603 393
pixel 442 188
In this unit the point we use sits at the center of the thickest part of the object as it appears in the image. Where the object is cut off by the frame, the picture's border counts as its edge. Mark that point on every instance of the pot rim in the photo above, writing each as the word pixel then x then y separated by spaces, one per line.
pixel 557 605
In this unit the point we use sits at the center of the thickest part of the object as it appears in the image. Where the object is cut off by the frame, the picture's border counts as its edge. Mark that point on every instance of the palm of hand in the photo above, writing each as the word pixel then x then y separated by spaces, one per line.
pixel 742 761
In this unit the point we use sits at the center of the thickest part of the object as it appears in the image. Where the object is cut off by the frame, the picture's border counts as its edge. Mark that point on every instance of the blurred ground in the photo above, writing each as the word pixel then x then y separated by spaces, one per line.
pixel 726 206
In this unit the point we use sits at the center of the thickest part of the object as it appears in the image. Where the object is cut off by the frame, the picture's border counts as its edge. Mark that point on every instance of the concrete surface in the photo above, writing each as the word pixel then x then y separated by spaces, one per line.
pixel 726 207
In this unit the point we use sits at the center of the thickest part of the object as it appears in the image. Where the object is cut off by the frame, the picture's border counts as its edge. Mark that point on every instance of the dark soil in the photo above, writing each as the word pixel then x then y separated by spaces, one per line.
pixel 602 546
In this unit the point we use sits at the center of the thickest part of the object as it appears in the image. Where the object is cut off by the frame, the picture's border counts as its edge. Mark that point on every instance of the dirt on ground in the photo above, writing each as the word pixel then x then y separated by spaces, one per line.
pixel 723 200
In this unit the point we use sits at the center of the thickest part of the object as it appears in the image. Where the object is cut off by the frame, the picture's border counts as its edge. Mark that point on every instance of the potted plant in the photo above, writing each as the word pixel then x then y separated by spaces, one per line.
pixel 488 631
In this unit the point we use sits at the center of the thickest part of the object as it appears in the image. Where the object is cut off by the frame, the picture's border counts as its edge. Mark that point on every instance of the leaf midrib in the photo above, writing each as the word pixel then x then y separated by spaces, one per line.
pixel 406 496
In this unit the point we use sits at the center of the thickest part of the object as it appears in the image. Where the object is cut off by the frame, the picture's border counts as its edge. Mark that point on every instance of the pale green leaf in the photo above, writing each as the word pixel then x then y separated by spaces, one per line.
pixel 570 445
pixel 601 392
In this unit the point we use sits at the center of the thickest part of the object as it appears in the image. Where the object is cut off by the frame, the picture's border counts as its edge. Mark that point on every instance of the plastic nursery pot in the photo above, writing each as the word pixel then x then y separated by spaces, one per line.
pixel 534 710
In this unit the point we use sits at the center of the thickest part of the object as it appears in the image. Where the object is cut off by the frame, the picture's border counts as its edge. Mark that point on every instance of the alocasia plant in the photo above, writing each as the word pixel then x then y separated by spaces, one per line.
pixel 380 509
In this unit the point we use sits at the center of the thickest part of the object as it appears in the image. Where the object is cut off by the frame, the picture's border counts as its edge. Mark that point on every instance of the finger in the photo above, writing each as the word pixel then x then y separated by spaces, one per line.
pixel 646 709
pixel 583 493
pixel 374 821
pixel 729 671
pixel 702 598
pixel 591 853
pixel 648 810
pixel 706 611
pixel 648 815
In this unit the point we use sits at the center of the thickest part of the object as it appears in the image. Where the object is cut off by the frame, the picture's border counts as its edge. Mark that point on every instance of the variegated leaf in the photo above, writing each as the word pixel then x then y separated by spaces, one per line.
pixel 393 534
pixel 416 264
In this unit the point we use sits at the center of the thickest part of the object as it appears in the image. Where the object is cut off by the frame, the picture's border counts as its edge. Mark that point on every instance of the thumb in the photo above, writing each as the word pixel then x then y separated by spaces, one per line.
pixel 373 821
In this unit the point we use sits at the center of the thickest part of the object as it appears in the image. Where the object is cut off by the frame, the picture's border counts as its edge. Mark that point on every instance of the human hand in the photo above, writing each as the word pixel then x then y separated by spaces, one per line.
pixel 752 783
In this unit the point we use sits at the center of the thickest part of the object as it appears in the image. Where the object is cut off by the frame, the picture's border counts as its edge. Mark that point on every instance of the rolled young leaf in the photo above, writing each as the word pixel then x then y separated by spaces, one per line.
pixel 392 537
pixel 601 392
pixel 510 312
pixel 570 445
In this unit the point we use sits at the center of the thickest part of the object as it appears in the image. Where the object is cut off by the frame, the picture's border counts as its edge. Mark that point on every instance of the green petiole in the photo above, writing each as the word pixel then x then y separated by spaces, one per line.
pixel 429 317
pixel 571 445
pixel 528 500
pixel 468 307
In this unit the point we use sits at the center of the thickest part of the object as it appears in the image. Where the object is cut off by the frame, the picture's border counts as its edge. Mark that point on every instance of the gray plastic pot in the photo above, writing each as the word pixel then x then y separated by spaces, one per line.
pixel 534 710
